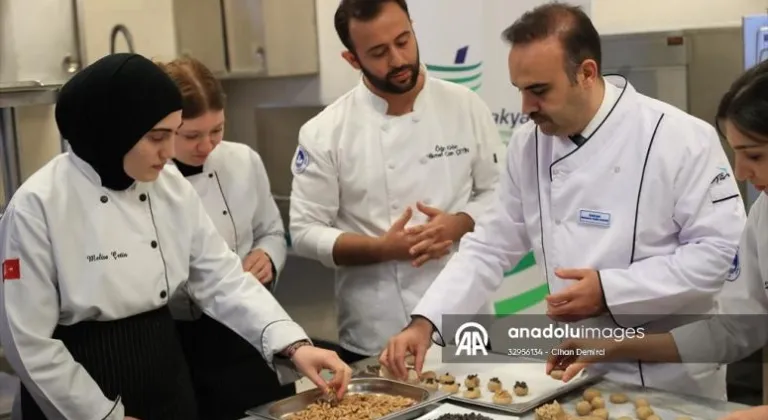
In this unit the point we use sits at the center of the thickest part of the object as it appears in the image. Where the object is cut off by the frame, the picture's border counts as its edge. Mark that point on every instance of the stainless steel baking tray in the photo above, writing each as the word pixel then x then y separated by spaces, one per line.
pixel 282 409
pixel 524 407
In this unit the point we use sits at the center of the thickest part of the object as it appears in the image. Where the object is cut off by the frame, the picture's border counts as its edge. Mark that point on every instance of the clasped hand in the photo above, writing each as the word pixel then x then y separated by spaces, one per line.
pixel 421 243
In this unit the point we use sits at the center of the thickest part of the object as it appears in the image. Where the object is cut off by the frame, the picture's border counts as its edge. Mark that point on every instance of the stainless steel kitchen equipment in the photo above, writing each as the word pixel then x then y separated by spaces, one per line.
pixel 284 408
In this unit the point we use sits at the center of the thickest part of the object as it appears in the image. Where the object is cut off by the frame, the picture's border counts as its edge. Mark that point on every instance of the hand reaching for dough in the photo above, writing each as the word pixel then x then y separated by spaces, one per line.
pixel 605 349
pixel 756 413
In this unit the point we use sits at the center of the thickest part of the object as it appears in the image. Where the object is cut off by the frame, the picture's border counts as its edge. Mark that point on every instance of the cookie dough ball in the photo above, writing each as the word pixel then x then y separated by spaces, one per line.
pixel 450 388
pixel 591 393
pixel 502 397
pixel 413 377
pixel 551 412
pixel 683 418
pixel 494 384
pixel 430 383
pixel 619 398
pixel 598 402
pixel 472 381
pixel 410 360
pixel 625 418
pixel 385 373
pixel 643 412
pixel 583 408
pixel 653 417
pixel 557 374
pixel 601 413
pixel 641 402
pixel 472 393
pixel 428 375
pixel 447 378
pixel 520 389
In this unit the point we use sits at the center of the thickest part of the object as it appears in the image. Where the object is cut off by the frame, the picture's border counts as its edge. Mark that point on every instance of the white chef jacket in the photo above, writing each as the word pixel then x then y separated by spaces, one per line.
pixel 739 328
pixel 356 169
pixel 84 252
pixel 649 200
pixel 236 194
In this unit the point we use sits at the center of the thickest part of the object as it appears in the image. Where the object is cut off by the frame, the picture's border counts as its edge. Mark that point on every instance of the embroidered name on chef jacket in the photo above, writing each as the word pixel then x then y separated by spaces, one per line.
pixel 594 218
pixel 114 255
pixel 719 188
pixel 447 150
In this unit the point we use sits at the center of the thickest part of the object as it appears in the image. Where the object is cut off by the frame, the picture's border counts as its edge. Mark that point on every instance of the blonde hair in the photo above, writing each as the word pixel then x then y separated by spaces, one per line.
pixel 200 90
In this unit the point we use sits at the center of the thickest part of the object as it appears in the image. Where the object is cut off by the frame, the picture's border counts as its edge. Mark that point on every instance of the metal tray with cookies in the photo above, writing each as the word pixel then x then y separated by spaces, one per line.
pixel 366 398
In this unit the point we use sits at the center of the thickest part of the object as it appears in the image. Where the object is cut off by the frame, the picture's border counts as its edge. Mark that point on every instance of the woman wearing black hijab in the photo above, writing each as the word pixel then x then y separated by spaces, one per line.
pixel 95 242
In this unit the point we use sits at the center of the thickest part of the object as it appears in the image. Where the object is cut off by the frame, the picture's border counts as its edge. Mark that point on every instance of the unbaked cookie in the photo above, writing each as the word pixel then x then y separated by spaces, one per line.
pixel 641 402
pixel 683 418
pixel 625 418
pixel 413 377
pixel 619 398
pixel 494 384
pixel 551 412
pixel 410 360
pixel 447 378
pixel 502 397
pixel 472 393
pixel 583 408
pixel 643 412
pixel 520 389
pixel 600 412
pixel 431 383
pixel 598 402
pixel 557 374
pixel 450 387
pixel 472 381
pixel 428 375
pixel 653 417
pixel 591 393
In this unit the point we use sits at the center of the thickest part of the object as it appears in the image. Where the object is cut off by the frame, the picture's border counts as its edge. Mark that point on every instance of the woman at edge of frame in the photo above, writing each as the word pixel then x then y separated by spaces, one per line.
pixel 739 328
pixel 228 374
pixel 94 244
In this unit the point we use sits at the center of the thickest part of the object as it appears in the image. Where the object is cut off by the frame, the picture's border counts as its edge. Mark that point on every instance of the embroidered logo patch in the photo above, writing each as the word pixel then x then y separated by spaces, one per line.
pixel 735 269
pixel 301 160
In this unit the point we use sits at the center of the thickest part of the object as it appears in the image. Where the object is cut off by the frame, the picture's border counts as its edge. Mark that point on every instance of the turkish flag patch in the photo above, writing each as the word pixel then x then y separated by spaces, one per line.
pixel 11 269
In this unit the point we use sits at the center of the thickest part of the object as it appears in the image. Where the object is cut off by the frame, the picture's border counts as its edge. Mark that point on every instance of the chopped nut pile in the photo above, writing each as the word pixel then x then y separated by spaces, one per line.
pixel 355 407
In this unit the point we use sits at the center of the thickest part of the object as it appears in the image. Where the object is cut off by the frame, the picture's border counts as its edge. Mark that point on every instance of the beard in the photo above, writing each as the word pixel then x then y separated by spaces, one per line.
pixel 386 83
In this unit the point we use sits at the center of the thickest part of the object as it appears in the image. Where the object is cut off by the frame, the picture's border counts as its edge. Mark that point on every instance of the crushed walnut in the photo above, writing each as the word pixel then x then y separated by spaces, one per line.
pixel 354 407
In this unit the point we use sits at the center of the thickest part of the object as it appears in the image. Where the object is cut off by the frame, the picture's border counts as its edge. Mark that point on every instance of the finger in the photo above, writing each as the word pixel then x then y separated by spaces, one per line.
pixel 259 265
pixel 430 232
pixel 403 220
pixel 421 247
pixel 440 249
pixel 571 273
pixel 383 360
pixel 564 310
pixel 566 295
pixel 415 230
pixel 421 260
pixel 397 359
pixel 341 378
pixel 419 354
pixel 429 211
pixel 573 369
pixel 265 275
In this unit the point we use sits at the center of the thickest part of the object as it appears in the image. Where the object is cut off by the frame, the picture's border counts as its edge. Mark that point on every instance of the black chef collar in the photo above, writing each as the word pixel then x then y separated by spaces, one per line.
pixel 106 108
pixel 188 170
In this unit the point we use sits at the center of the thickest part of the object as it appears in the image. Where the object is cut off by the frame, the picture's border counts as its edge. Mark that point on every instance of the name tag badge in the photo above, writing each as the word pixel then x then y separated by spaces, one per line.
pixel 594 218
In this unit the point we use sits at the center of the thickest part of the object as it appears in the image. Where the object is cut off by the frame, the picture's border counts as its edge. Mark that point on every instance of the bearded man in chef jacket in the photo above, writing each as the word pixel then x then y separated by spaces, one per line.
pixel 389 177
pixel 628 203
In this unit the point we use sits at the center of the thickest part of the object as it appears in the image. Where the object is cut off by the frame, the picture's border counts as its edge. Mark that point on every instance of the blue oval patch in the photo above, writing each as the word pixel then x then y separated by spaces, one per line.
pixel 735 270
pixel 301 161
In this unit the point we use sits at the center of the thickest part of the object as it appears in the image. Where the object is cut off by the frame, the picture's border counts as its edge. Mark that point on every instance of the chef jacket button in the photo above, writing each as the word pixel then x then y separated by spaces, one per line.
pixel 210 175
pixel 224 212
pixel 163 294
pixel 154 244
pixel 143 197
pixel 391 166
pixel 617 169
pixel 104 199
pixel 557 222
pixel 394 206
pixel 423 160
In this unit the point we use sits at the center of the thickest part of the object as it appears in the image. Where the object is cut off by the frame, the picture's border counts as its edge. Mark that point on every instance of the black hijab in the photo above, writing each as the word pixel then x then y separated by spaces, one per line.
pixel 106 108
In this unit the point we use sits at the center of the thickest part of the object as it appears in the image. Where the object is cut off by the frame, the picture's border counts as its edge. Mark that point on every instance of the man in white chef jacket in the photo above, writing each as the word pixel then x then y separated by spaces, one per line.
pixel 628 203
pixel 389 177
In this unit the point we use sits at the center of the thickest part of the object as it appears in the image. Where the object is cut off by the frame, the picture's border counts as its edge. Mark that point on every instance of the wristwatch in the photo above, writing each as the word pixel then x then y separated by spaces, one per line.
pixel 291 350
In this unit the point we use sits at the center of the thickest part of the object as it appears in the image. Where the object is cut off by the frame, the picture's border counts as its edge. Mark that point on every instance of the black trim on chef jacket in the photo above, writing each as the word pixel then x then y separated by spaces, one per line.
pixel 136 360
pixel 580 144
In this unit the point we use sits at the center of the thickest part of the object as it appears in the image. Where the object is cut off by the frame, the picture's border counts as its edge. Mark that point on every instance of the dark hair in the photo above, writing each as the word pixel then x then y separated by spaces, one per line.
pixel 200 90
pixel 365 10
pixel 745 104
pixel 577 34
